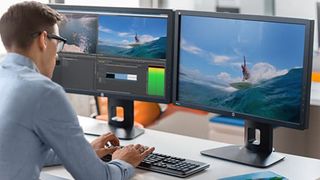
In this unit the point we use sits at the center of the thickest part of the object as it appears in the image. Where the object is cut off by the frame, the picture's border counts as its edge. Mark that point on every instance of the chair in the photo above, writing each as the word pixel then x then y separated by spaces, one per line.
pixel 145 113
pixel 315 76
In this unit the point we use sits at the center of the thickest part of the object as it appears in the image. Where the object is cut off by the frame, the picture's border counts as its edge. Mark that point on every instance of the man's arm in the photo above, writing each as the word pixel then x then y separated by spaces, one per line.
pixel 58 127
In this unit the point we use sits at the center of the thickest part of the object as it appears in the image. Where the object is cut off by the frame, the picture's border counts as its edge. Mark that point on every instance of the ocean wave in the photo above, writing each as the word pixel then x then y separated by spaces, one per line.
pixel 278 98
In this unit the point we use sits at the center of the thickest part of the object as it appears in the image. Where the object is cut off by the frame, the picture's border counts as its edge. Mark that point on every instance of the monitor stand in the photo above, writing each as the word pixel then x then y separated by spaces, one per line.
pixel 253 154
pixel 123 128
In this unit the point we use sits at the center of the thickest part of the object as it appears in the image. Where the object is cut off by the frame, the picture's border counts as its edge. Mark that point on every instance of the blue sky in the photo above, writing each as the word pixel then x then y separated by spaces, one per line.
pixel 120 30
pixel 215 47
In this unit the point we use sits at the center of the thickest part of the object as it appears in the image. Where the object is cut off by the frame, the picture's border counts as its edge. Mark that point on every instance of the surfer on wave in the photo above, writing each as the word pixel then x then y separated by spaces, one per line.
pixel 245 70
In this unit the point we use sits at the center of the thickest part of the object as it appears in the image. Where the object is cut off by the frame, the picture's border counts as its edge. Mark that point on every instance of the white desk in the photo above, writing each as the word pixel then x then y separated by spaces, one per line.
pixel 293 167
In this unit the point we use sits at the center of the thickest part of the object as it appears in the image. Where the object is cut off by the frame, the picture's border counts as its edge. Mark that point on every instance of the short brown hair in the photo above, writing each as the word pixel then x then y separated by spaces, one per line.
pixel 23 19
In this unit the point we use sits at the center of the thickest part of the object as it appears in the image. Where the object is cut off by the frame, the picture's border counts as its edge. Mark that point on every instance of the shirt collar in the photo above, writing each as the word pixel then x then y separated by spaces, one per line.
pixel 20 60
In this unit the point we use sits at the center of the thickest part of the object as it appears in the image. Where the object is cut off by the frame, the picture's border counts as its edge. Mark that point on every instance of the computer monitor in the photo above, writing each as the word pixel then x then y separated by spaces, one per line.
pixel 122 53
pixel 257 68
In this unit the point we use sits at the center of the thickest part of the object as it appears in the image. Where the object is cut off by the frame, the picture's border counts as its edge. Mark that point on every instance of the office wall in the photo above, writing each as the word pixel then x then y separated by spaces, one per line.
pixel 296 8
pixel 258 7
pixel 178 4
pixel 113 3
pixel 262 7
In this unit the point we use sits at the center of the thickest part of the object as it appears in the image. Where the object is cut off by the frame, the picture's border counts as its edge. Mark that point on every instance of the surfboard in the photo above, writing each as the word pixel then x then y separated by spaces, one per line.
pixel 241 85
pixel 135 44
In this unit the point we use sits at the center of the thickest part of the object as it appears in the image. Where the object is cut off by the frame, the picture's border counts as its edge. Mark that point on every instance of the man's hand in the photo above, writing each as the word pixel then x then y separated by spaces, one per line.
pixel 132 154
pixel 100 145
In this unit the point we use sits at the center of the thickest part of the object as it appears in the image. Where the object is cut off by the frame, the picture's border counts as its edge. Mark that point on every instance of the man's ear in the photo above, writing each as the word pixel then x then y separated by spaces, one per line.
pixel 43 40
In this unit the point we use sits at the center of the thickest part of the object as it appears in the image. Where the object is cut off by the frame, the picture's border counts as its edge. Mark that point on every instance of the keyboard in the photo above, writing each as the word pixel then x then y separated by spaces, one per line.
pixel 170 165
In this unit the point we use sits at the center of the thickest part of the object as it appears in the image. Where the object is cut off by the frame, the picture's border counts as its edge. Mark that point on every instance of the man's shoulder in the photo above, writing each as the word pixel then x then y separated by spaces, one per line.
pixel 39 83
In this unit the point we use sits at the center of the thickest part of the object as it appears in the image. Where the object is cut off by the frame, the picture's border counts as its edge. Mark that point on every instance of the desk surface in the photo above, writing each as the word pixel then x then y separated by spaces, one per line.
pixel 292 167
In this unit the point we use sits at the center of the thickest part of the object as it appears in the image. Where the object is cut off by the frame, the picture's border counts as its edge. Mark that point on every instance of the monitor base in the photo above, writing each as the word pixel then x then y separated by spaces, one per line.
pixel 99 128
pixel 127 134
pixel 242 155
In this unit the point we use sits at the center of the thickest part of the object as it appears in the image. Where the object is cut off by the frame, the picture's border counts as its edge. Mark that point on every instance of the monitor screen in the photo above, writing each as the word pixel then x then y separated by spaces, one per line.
pixel 118 52
pixel 244 66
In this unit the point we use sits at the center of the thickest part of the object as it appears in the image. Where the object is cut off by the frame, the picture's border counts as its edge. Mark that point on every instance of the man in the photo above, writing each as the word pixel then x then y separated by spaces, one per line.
pixel 245 70
pixel 37 124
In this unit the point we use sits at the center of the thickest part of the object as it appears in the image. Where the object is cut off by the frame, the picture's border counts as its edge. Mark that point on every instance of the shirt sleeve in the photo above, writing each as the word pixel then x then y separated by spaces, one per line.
pixel 58 127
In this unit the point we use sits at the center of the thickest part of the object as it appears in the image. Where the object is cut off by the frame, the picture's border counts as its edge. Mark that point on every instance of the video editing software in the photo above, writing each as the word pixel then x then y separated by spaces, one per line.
pixel 114 53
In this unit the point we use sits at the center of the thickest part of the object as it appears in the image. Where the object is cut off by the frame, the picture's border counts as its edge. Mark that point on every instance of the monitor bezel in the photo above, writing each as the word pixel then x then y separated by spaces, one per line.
pixel 307 66
pixel 169 56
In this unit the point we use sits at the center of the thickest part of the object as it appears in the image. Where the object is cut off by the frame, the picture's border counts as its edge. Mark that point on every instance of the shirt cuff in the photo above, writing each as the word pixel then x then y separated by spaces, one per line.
pixel 130 169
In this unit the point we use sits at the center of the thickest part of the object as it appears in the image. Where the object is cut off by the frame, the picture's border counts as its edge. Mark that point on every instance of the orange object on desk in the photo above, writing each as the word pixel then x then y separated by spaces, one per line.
pixel 316 76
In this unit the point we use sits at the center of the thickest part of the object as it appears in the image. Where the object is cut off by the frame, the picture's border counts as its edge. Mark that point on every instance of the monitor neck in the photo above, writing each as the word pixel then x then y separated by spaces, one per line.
pixel 257 152
pixel 258 137
pixel 128 113
pixel 124 128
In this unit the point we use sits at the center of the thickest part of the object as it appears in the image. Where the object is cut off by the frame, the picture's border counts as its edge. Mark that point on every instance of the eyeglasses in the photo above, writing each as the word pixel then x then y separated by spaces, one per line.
pixel 61 41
